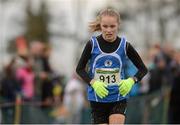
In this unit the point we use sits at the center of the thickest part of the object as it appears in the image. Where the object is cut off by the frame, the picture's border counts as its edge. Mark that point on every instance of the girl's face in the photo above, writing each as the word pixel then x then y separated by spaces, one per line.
pixel 109 27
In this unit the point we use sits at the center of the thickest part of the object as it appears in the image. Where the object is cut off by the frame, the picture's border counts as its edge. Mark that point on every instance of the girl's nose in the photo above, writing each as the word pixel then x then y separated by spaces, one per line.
pixel 109 29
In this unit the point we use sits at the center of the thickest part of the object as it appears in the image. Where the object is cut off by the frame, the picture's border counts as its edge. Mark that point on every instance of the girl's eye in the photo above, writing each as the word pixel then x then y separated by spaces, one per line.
pixel 112 26
pixel 105 26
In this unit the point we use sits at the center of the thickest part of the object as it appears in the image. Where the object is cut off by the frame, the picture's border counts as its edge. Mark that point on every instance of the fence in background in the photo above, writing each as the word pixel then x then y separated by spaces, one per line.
pixel 151 108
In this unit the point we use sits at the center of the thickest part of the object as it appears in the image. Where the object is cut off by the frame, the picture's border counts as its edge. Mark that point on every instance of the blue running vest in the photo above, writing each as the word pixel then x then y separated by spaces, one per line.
pixel 109 68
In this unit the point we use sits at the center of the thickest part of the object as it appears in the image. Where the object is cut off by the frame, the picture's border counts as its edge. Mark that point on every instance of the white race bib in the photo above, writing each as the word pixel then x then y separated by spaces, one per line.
pixel 107 75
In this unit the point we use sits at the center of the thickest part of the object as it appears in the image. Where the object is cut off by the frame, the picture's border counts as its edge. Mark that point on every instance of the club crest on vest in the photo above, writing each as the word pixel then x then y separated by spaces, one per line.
pixel 108 63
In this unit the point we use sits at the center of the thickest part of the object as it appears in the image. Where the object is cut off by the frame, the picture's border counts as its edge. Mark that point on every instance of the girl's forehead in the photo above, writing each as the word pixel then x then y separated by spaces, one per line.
pixel 109 19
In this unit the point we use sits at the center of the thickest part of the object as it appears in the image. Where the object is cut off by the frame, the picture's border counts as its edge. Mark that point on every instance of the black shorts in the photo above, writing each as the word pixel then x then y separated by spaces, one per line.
pixel 101 111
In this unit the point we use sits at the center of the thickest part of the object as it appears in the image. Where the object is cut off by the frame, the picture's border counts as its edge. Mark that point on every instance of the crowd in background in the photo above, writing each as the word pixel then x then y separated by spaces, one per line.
pixel 31 77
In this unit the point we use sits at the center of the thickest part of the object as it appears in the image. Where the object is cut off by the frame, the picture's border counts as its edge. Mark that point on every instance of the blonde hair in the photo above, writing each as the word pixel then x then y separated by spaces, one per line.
pixel 95 25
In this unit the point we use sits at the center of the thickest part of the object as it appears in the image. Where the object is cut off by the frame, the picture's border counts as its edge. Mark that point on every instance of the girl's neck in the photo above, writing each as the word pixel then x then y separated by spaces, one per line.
pixel 110 41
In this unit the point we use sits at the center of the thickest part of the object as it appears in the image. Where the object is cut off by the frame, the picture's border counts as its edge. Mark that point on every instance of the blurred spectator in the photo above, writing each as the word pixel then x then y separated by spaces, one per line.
pixel 8 90
pixel 46 76
pixel 43 71
pixel 153 51
pixel 9 83
pixel 158 74
pixel 25 75
pixel 174 109
pixel 58 90
pixel 59 112
pixel 74 99
pixel 160 58
pixel 168 51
